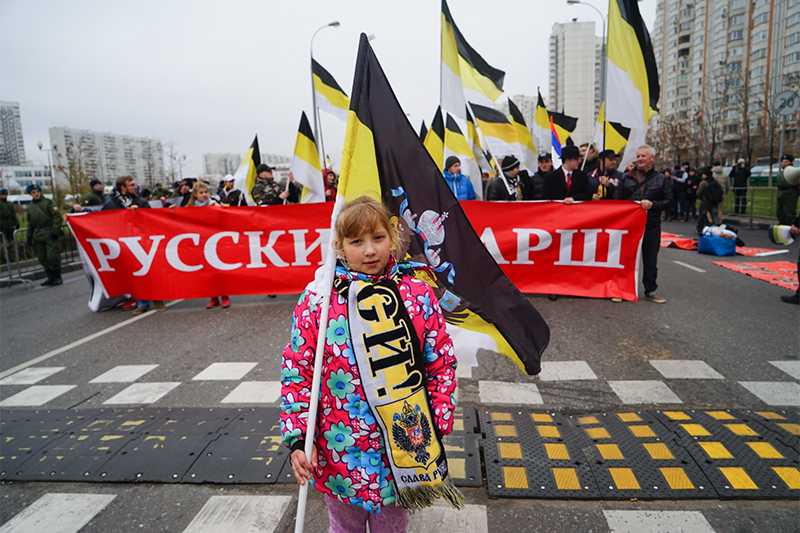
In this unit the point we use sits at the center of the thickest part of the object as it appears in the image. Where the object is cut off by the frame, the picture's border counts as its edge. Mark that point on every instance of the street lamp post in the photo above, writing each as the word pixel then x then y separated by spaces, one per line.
pixel 50 162
pixel 334 24
pixel 602 59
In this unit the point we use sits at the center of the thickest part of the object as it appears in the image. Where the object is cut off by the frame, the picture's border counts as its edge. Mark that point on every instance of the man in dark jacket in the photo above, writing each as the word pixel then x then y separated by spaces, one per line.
pixel 498 191
pixel 604 179
pixel 8 217
pixel 533 188
pixel 741 180
pixel 648 186
pixel 44 233
pixel 568 182
pixel 94 198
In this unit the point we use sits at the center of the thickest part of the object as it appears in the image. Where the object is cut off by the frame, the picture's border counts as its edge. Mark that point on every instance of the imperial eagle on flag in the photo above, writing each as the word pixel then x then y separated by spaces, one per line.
pixel 383 158
pixel 464 72
pixel 329 96
pixel 305 167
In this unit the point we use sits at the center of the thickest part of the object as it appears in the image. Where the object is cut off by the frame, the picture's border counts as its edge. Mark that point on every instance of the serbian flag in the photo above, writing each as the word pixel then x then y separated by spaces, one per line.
pixel 384 159
pixel 555 144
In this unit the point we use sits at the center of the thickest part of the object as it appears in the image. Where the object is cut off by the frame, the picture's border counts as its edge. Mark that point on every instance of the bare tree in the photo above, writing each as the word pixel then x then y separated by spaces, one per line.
pixel 78 164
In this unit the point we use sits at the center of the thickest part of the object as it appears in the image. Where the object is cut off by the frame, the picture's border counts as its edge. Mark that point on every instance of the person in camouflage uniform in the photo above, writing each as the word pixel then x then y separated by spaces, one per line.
pixel 8 218
pixel 787 195
pixel 160 191
pixel 94 198
pixel 266 191
pixel 44 233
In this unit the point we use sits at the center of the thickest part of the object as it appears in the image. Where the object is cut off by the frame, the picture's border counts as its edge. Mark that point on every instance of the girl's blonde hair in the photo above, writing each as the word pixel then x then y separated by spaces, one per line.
pixel 362 215
pixel 197 187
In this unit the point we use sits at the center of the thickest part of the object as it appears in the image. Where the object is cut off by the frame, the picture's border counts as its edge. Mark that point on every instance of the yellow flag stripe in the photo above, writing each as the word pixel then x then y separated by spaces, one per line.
pixel 359 175
pixel 625 52
pixel 503 131
pixel 472 79
pixel 335 97
pixel 306 150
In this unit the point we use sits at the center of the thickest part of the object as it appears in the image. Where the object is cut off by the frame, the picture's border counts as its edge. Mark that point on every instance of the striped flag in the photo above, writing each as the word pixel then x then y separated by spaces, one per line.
pixel 383 158
pixel 526 145
pixel 541 126
pixel 555 145
pixel 245 177
pixel 497 129
pixel 456 144
pixel 632 89
pixel 434 140
pixel 423 131
pixel 610 135
pixel 465 75
pixel 305 167
pixel 329 96
pixel 563 125
pixel 475 143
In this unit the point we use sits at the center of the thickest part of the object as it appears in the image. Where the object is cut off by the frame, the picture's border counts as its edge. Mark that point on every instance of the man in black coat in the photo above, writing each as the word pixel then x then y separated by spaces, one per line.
pixel 568 182
pixel 497 191
pixel 126 196
pixel 650 187
pixel 741 180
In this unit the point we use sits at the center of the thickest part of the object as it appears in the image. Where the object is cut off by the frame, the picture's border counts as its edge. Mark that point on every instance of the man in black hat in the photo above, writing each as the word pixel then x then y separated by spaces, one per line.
pixel 787 194
pixel 504 188
pixel 654 191
pixel 266 191
pixel 180 196
pixel 44 233
pixel 94 198
pixel 604 179
pixel 568 182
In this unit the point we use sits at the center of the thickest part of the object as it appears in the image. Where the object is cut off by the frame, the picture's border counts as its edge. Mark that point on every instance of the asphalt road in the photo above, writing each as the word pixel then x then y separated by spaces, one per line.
pixel 735 324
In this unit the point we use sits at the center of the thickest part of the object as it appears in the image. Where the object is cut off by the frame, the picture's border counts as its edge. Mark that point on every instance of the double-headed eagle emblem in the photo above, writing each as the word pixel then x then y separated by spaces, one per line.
pixel 411 431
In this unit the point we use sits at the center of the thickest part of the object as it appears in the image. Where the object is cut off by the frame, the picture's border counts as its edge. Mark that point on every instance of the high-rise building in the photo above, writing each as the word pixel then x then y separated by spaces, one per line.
pixel 217 165
pixel 721 64
pixel 107 156
pixel 12 147
pixel 575 82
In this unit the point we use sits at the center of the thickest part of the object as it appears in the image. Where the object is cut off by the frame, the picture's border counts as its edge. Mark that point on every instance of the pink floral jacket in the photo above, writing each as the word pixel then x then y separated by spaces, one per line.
pixel 351 453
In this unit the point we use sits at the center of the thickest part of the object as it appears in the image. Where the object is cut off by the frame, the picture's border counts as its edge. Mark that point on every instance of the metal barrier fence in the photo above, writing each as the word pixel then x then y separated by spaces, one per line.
pixel 756 202
pixel 19 264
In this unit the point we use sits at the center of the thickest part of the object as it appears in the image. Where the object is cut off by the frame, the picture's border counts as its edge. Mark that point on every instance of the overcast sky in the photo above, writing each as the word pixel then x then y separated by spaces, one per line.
pixel 209 75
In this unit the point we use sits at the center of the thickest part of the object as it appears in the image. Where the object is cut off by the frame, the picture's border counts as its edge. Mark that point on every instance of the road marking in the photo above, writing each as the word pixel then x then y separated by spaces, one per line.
pixel 239 514
pixel 442 517
pixel 255 392
pixel 776 393
pixel 657 521
pixel 36 395
pixel 58 513
pixel 142 393
pixel 124 374
pixel 566 371
pixel 632 392
pixel 224 372
pixel 509 393
pixel 31 376
pixel 78 342
pixel 790 367
pixel 690 267
pixel 685 369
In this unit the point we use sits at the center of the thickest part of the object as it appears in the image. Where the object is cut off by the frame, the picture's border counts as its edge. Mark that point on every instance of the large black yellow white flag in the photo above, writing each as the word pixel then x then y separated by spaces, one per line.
pixel 540 129
pixel 245 177
pixel 383 158
pixel 434 139
pixel 456 144
pixel 500 135
pixel 526 145
pixel 632 89
pixel 465 75
pixel 305 167
pixel 474 141
pixel 329 96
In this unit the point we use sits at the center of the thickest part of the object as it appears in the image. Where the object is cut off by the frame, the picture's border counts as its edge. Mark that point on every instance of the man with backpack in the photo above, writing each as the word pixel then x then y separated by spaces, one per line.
pixel 710 194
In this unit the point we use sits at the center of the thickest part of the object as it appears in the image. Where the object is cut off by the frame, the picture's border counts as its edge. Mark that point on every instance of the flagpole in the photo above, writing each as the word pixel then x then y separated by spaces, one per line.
pixel 334 24
pixel 322 145
pixel 485 143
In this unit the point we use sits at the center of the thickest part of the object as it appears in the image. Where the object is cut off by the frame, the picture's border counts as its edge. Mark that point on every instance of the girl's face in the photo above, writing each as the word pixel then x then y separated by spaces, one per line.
pixel 368 252
pixel 202 195
pixel 331 177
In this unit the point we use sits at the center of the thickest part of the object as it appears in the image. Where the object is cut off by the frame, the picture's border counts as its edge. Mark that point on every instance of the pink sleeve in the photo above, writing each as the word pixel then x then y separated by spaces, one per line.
pixel 297 370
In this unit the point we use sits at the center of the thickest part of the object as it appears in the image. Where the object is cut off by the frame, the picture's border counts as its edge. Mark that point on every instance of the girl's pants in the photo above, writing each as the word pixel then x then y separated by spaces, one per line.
pixel 346 518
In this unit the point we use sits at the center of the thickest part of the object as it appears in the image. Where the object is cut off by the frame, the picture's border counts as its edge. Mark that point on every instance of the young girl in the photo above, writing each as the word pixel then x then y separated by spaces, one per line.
pixel 201 196
pixel 387 387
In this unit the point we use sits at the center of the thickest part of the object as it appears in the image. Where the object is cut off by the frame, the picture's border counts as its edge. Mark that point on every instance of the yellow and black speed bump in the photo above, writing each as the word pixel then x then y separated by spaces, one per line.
pixel 534 455
pixel 785 424
pixel 247 450
pixel 632 455
pixel 24 435
pixel 738 455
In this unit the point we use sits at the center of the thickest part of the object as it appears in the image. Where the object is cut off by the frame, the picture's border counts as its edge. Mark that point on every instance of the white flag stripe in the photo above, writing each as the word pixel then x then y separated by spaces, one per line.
pixel 310 178
pixel 325 105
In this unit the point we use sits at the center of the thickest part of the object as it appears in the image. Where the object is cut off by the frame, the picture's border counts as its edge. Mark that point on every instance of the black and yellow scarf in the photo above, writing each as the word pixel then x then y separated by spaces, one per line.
pixel 391 364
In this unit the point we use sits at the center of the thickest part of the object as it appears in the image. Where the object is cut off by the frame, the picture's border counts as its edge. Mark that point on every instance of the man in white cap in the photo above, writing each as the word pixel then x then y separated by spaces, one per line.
pixel 741 180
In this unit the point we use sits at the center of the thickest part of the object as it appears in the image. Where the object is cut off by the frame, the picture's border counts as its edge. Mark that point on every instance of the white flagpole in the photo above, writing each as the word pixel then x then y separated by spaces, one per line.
pixel 327 283
pixel 591 143
pixel 498 168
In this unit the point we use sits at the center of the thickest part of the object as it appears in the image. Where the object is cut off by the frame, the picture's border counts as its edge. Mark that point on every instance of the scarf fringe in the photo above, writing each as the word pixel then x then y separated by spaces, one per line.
pixel 415 499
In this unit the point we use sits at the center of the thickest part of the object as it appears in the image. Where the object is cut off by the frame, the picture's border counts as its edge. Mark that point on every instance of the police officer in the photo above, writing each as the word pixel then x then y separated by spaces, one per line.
pixel 8 217
pixel 44 233
pixel 266 191
pixel 94 198
pixel 787 194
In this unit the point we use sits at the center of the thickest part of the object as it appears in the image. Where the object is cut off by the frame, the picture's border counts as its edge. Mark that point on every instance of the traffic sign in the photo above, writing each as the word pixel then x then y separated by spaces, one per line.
pixel 786 103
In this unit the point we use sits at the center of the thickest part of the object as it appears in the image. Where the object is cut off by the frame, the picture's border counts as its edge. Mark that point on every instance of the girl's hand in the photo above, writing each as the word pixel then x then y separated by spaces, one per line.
pixel 172 206
pixel 300 465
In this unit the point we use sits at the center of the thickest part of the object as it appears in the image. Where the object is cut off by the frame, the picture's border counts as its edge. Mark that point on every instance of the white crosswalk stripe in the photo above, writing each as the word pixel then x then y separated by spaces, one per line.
pixel 58 513
pixel 239 514
pixel 657 521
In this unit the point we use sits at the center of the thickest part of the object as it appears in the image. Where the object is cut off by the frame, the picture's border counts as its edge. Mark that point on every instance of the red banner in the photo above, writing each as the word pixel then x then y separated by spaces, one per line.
pixel 584 249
